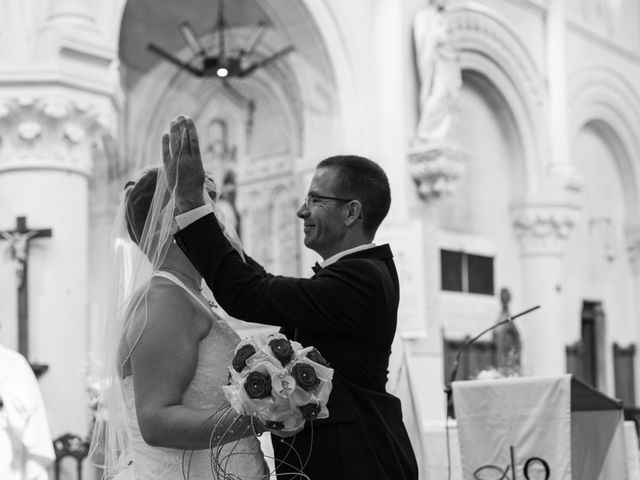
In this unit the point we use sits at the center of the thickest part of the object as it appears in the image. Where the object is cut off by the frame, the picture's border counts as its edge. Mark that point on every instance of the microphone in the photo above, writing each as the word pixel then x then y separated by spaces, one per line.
pixel 454 371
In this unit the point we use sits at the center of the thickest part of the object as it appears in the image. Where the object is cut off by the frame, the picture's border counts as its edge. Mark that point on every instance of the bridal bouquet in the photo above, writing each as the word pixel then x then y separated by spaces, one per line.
pixel 279 381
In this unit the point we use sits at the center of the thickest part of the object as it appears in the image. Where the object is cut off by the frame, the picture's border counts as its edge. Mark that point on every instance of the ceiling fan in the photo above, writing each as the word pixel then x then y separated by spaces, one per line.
pixel 223 63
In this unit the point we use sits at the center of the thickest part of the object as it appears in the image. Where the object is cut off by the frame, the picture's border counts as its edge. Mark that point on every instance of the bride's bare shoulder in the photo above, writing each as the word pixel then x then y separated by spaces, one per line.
pixel 167 305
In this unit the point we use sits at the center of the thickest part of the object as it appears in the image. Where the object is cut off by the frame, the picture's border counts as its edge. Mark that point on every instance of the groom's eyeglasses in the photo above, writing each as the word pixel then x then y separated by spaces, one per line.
pixel 312 199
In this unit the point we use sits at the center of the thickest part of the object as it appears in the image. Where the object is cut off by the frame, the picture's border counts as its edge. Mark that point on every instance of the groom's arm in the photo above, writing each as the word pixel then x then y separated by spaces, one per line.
pixel 187 218
pixel 336 300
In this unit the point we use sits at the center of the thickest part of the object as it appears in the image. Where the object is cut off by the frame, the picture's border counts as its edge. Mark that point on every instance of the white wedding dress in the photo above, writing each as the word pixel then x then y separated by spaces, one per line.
pixel 241 460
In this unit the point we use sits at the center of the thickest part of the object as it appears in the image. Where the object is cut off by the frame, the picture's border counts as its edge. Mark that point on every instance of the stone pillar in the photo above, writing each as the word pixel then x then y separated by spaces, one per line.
pixel 435 167
pixel 561 172
pixel 542 229
pixel 45 162
pixel 633 252
pixel 71 13
pixel 53 107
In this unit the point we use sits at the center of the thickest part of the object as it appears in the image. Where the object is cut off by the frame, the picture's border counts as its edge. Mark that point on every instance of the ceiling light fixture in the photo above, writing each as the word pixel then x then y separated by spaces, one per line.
pixel 223 63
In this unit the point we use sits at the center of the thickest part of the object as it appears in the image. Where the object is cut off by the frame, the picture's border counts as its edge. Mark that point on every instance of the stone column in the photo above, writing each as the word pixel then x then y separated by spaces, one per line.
pixel 45 162
pixel 561 170
pixel 71 13
pixel 435 168
pixel 633 252
pixel 542 229
pixel 54 104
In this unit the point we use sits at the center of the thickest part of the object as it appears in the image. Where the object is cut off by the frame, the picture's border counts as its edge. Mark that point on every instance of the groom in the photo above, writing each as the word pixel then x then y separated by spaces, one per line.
pixel 348 309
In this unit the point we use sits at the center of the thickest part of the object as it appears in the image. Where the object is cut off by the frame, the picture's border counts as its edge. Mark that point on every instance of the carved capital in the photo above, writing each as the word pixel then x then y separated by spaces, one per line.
pixel 632 235
pixel 435 168
pixel 50 133
pixel 544 227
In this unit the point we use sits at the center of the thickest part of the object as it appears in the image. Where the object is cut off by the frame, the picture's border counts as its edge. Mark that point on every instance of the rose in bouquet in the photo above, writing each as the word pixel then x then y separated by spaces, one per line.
pixel 279 381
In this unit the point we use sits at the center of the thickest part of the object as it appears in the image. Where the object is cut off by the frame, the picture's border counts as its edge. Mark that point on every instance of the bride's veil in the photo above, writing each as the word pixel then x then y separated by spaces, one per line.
pixel 137 256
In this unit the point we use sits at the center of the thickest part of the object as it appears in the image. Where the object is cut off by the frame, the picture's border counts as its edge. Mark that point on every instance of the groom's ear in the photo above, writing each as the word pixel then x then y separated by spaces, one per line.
pixel 354 212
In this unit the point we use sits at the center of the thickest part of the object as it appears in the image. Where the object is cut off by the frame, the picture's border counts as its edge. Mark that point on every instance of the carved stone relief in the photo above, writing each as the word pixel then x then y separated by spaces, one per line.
pixel 50 133
pixel 544 228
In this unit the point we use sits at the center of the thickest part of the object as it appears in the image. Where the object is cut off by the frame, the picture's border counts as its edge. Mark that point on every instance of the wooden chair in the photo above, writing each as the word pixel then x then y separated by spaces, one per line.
pixel 70 445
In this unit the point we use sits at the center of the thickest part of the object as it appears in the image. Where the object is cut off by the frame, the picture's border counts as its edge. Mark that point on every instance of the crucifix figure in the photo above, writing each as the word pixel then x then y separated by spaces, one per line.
pixel 19 251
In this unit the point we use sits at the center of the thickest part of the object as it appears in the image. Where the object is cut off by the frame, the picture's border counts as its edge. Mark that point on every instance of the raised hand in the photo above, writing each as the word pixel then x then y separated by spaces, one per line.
pixel 183 163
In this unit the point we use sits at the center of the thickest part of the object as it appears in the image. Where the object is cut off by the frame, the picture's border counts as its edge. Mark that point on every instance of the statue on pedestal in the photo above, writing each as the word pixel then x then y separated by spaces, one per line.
pixel 439 72
pixel 508 343
pixel 436 160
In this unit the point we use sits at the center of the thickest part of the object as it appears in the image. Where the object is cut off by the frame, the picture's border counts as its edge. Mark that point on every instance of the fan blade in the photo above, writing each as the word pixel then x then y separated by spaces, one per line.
pixel 176 61
pixel 192 39
pixel 254 38
pixel 266 61
pixel 221 24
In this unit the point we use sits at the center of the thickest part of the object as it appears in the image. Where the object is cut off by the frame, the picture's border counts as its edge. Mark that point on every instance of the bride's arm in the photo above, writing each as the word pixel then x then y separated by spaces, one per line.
pixel 164 362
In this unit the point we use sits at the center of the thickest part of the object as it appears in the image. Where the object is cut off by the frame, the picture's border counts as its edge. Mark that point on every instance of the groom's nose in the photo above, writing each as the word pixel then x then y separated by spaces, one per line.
pixel 303 211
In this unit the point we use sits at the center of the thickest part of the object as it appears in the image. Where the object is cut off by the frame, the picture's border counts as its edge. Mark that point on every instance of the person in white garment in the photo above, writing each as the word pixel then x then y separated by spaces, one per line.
pixel 26 447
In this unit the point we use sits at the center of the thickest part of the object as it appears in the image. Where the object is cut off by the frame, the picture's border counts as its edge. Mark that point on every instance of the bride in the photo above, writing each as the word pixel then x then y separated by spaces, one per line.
pixel 168 352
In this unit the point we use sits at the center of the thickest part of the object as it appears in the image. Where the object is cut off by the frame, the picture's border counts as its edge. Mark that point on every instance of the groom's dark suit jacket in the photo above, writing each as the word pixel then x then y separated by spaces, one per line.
pixel 348 311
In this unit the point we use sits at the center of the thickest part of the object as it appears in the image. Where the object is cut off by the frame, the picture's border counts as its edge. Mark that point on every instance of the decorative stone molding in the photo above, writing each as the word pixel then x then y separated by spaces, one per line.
pixel 493 56
pixel 632 235
pixel 436 167
pixel 50 133
pixel 70 12
pixel 543 228
pixel 604 99
pixel 483 30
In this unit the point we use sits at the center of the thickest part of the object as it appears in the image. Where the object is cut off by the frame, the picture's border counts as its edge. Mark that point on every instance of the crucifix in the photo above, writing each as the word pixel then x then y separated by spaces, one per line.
pixel 19 251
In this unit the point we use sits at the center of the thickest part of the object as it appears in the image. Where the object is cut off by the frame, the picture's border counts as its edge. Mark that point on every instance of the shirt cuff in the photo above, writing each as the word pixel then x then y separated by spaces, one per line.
pixel 187 218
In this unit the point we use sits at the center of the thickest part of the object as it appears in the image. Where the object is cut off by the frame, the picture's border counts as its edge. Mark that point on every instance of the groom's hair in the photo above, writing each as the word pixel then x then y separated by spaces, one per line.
pixel 362 179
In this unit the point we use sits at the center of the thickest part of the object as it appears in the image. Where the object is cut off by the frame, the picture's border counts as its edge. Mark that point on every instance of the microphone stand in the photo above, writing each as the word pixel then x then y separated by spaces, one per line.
pixel 454 371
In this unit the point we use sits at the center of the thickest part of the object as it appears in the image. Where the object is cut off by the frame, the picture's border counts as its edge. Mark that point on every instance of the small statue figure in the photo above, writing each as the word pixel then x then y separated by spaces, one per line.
pixel 18 246
pixel 507 339
pixel 439 72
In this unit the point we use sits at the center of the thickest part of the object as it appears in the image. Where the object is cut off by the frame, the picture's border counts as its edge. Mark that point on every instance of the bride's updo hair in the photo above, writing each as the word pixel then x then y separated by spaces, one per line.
pixel 139 197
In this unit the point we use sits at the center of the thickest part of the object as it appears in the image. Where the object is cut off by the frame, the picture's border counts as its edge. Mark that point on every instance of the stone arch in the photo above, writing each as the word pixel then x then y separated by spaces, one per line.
pixel 319 73
pixel 279 101
pixel 605 101
pixel 488 47
pixel 169 91
pixel 312 91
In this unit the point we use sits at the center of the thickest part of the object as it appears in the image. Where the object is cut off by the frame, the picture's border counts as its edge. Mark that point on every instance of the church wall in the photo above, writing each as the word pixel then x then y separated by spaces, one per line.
pixel 605 109
pixel 597 265
pixel 476 217
pixel 525 19
pixel 617 20
pixel 367 103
